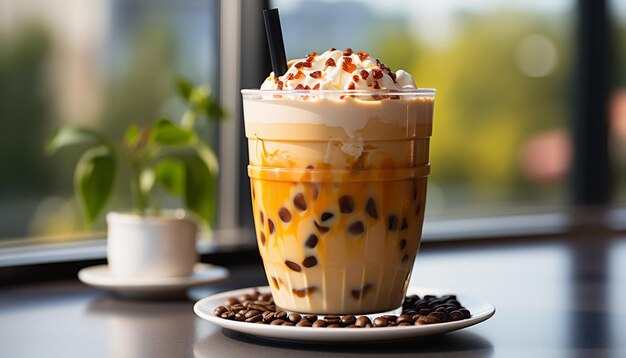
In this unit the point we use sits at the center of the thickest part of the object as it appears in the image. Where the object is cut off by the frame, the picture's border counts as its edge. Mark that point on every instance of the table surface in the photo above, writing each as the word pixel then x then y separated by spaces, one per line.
pixel 556 298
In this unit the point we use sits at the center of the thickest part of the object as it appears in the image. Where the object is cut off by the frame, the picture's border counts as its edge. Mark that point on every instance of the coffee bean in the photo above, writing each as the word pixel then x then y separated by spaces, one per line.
pixel 441 309
pixel 320 228
pixel 410 312
pixel 231 301
pixel 332 319
pixel 442 316
pixel 402 244
pixel 219 310
pixel 294 317
pixel 266 297
pixel 466 313
pixel 284 214
pixel 327 216
pixel 421 304
pixel 430 319
pixel 310 318
pixel 268 316
pixel 277 322
pixel 420 322
pixel 334 325
pixel 403 324
pixel 228 315
pixel 405 317
pixel 236 307
pixel 353 326
pixel 254 306
pixel 362 321
pixel 370 208
pixel 281 315
pixel 390 317
pixel 312 241
pixel 299 202
pixel 435 303
pixel 309 262
pixel 415 317
pixel 252 312
pixel 262 236
pixel 270 225
pixel 348 320
pixel 425 311
pixel 260 322
pixel 319 324
pixel 447 298
pixel 454 302
pixel 292 265
pixel 254 319
pixel 429 297
pixel 393 223
pixel 304 323
pixel 356 228
pixel 455 316
pixel 346 204
pixel 381 322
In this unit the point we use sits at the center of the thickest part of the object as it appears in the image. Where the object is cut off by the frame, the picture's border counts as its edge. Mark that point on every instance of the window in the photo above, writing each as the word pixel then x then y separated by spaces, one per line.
pixel 102 64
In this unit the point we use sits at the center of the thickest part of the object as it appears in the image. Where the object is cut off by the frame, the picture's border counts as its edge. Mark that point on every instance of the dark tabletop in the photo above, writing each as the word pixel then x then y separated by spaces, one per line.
pixel 554 298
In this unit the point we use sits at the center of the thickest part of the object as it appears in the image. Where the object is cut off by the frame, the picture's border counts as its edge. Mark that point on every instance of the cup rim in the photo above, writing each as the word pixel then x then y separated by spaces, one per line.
pixel 400 92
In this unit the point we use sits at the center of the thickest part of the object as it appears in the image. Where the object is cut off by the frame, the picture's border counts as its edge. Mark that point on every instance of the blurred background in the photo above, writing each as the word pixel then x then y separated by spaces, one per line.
pixel 504 72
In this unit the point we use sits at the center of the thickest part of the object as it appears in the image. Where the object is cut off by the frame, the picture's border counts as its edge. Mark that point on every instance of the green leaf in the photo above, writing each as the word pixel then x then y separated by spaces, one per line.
pixel 171 174
pixel 167 133
pixel 208 156
pixel 200 188
pixel 132 136
pixel 93 180
pixel 70 135
pixel 202 102
pixel 184 88
pixel 147 179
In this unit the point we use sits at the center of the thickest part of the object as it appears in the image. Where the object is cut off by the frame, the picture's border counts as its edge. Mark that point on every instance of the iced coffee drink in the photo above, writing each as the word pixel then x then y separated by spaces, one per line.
pixel 338 150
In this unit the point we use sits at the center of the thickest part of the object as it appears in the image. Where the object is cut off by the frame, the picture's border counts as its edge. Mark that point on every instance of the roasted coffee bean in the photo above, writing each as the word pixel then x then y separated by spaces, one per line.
pixel 254 306
pixel 252 312
pixel 236 307
pixel 421 304
pixel 228 315
pixel 455 316
pixel 247 297
pixel 466 313
pixel 430 297
pixel 332 319
pixel 447 298
pixel 268 316
pixel 284 214
pixel 434 303
pixel 410 312
pixel 299 202
pixel 441 309
pixel 455 303
pixel 353 326
pixel 327 216
pixel 266 297
pixel 231 301
pixel 407 323
pixel 219 310
pixel 425 311
pixel 404 318
pixel 254 319
pixel 362 321
pixel 420 322
pixel 319 324
pixel 289 324
pixel 294 317
pixel 320 228
pixel 292 265
pixel 277 322
pixel 356 228
pixel 415 317
pixel 270 225
pixel 260 322
pixel 312 241
pixel 346 204
pixel 402 244
pixel 392 223
pixel 348 320
pixel 309 262
pixel 334 325
pixel 370 208
pixel 390 317
pixel 310 318
pixel 240 318
pixel 304 323
pixel 442 316
pixel 405 225
pixel 430 319
pixel 381 322
pixel 281 315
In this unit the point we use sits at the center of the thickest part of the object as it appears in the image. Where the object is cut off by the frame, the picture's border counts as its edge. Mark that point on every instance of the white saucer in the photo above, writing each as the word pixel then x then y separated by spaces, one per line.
pixel 100 276
pixel 480 310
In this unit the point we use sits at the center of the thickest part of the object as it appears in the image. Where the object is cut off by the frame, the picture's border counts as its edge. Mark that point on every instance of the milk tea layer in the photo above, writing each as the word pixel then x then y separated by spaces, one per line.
pixel 338 189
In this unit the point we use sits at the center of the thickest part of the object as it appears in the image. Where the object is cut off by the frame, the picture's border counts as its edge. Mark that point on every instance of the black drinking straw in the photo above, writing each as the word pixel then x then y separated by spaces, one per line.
pixel 275 41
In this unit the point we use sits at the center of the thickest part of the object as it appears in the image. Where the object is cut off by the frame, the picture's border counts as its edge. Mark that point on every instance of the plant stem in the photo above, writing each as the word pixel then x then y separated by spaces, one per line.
pixel 188 120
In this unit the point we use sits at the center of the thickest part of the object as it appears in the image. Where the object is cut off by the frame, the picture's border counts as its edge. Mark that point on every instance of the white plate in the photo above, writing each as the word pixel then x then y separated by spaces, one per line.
pixel 100 276
pixel 480 310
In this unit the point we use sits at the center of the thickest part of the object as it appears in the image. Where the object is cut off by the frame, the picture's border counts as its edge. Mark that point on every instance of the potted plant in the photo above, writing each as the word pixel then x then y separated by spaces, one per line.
pixel 166 156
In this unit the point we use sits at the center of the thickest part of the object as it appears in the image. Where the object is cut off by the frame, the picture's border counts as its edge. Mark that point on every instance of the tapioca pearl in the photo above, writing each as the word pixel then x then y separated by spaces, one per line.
pixel 262 237
pixel 315 191
pixel 414 190
pixel 392 223
pixel 311 241
pixel 262 217
pixel 253 192
pixel 310 166
pixel 284 214
pixel 360 293
pixel 320 228
pixel 309 262
pixel 405 258
pixel 402 244
pixel 405 225
pixel 292 265
pixel 346 204
pixel 356 228
pixel 304 291
pixel 275 282
pixel 270 225
pixel 299 202
pixel 327 216
pixel 370 208
pixel 417 210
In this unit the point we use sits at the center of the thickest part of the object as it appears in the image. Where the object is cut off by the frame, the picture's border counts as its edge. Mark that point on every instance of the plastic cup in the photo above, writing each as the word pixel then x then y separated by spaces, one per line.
pixel 338 183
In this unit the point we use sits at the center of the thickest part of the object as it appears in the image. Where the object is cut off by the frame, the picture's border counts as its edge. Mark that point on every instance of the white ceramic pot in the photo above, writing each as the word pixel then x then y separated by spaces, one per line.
pixel 150 246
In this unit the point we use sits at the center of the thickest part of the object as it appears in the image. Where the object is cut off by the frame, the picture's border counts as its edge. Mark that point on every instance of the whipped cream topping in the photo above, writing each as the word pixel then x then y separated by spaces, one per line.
pixel 338 70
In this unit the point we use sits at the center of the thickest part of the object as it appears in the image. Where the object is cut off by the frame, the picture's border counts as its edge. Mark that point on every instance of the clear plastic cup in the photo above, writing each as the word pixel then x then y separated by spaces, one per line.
pixel 338 184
